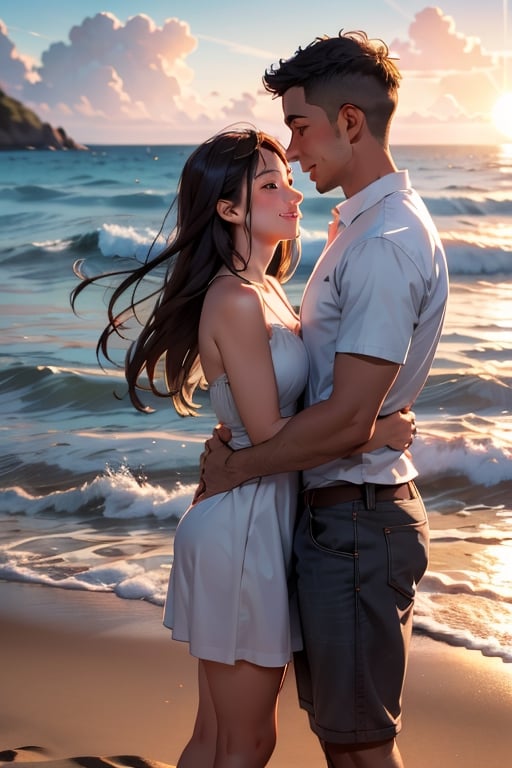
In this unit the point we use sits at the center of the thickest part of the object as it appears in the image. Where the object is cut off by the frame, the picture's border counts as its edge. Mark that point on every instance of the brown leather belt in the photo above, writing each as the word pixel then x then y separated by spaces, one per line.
pixel 330 495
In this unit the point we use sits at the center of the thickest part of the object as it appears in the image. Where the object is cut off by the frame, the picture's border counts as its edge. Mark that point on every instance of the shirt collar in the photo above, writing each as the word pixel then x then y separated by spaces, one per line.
pixel 351 208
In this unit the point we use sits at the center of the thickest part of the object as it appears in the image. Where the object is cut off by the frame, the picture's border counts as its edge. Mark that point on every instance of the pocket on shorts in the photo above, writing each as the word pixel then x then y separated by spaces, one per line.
pixel 407 558
pixel 331 531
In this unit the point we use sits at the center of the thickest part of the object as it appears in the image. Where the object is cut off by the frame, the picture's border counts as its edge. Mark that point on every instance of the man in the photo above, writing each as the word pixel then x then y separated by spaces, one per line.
pixel 371 317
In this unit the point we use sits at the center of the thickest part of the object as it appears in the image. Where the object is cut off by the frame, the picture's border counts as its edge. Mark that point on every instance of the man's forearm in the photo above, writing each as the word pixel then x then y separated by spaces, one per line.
pixel 331 429
pixel 309 439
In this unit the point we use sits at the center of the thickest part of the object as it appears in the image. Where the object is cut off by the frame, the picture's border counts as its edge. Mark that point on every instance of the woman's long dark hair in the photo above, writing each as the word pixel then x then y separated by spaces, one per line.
pixel 199 245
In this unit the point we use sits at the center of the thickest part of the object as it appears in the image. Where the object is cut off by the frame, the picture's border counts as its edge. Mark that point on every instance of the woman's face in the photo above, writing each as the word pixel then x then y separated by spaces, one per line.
pixel 275 213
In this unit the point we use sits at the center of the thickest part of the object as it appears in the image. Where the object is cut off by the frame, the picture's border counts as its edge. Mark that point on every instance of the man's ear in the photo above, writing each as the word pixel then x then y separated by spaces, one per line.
pixel 351 119
pixel 228 211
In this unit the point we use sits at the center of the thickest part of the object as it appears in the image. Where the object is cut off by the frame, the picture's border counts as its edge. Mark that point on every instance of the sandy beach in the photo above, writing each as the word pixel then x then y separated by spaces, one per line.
pixel 92 675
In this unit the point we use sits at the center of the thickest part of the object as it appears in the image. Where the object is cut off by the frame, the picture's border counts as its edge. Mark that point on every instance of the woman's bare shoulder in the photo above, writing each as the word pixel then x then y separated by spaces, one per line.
pixel 228 293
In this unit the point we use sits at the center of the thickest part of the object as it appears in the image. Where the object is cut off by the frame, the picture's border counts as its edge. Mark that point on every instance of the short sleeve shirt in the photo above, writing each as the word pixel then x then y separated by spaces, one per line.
pixel 379 289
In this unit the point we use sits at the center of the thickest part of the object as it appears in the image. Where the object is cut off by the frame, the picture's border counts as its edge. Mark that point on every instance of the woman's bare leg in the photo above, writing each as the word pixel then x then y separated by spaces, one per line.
pixel 200 750
pixel 245 699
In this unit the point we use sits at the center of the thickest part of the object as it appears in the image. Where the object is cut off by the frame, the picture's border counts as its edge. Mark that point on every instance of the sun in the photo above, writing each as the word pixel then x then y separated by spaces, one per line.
pixel 502 114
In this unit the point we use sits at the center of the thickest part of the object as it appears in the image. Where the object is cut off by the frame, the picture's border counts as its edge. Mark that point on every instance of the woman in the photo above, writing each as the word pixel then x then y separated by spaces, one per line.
pixel 222 320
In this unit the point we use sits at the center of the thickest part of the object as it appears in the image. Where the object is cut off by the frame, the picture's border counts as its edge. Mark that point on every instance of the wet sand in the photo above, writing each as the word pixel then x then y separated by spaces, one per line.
pixel 90 674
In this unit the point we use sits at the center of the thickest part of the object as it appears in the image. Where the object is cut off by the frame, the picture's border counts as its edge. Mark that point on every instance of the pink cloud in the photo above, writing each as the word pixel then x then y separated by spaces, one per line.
pixel 435 44
pixel 242 108
pixel 131 70
pixel 13 67
pixel 133 78
pixel 445 70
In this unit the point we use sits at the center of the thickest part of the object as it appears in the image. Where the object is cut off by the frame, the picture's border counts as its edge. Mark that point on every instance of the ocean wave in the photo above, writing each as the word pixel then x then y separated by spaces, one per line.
pixel 61 540
pixel 478 460
pixel 33 193
pixel 115 534
pixel 50 389
pixel 468 623
pixel 463 258
pixel 467 253
pixel 465 422
pixel 453 468
pixel 466 260
pixel 90 399
pixel 472 607
pixel 129 241
pixel 82 243
pixel 88 181
pixel 471 253
pixel 36 193
pixel 38 388
pixel 109 241
pixel 471 202
pixel 466 393
pixel 469 206
pixel 120 493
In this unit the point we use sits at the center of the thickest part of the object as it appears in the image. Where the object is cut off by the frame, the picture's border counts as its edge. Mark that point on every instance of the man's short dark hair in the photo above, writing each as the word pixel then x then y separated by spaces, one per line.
pixel 348 68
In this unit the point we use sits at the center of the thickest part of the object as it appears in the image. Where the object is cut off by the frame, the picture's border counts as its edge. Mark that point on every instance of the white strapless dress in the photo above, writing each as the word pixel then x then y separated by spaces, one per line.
pixel 228 593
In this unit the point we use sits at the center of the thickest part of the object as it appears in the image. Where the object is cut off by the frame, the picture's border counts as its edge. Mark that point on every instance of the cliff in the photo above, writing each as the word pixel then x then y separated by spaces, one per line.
pixel 20 128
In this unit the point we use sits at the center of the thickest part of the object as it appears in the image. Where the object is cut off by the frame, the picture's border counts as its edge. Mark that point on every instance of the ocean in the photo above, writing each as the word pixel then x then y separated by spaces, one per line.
pixel 91 490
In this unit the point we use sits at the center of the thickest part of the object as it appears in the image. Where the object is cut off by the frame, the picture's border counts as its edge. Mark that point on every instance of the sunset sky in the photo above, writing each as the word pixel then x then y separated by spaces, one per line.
pixel 175 71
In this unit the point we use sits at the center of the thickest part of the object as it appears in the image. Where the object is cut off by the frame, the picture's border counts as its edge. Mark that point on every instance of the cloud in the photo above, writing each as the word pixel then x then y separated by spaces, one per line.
pixel 14 69
pixel 446 74
pixel 445 108
pixel 120 71
pixel 128 81
pixel 110 74
pixel 435 45
pixel 242 108
pixel 132 77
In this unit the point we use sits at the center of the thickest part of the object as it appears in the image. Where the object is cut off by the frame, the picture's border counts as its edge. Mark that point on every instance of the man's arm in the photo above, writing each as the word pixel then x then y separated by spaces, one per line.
pixel 324 431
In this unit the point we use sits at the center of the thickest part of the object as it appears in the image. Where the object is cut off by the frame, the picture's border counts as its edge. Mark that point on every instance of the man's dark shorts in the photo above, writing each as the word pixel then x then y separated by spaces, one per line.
pixel 357 571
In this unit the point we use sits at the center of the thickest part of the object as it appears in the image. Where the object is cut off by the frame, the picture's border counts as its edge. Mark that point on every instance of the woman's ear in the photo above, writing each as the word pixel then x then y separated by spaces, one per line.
pixel 228 211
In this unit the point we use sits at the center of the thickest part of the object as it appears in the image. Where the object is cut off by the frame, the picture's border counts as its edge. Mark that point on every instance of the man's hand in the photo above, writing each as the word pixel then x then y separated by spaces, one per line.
pixel 214 477
pixel 401 429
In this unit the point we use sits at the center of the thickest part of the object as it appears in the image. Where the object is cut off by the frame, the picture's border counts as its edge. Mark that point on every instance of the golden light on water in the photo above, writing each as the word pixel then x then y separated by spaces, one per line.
pixel 506 152
pixel 497 562
pixel 502 114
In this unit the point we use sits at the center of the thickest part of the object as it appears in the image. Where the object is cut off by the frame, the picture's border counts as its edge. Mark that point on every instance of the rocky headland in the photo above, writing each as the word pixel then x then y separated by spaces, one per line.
pixel 21 128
